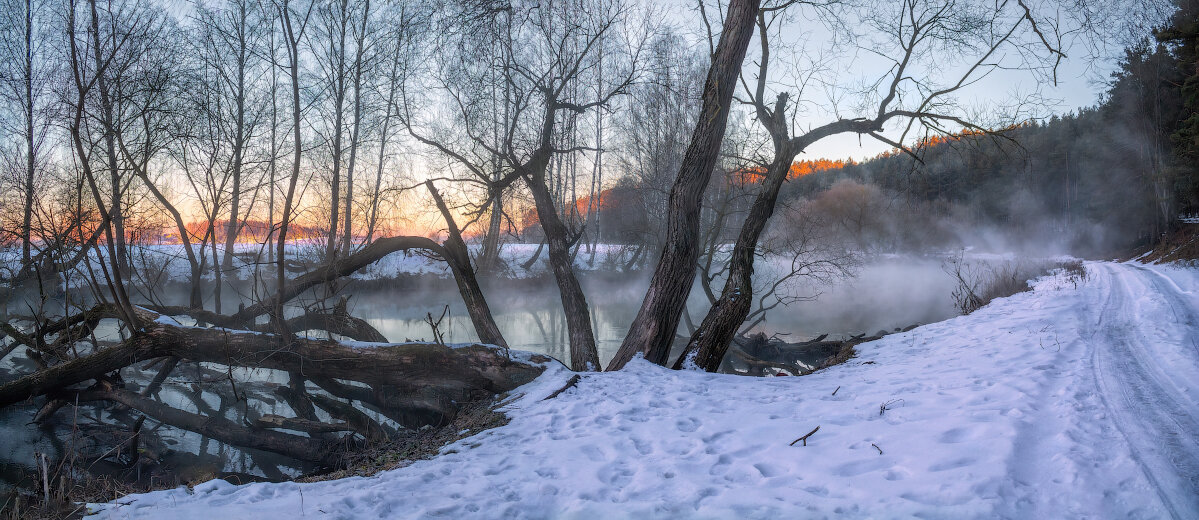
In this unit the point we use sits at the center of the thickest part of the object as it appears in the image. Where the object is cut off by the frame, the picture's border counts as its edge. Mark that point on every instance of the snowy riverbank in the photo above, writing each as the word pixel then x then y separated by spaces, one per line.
pixel 1064 402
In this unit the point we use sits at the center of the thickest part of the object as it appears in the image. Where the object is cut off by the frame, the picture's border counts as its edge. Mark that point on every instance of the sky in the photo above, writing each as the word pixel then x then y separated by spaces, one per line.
pixel 1081 75
pixel 1081 83
pixel 802 44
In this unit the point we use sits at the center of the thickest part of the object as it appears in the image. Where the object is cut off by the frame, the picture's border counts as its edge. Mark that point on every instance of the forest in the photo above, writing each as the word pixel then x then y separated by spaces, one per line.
pixel 199 200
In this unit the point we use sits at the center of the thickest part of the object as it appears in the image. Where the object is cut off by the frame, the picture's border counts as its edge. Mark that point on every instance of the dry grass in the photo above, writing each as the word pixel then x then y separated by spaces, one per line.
pixel 1074 271
pixel 979 282
pixel 1181 245
pixel 69 492
pixel 418 444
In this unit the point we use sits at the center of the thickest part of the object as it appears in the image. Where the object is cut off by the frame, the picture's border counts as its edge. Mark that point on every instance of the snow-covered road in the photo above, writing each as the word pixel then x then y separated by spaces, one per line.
pixel 1146 363
pixel 1071 401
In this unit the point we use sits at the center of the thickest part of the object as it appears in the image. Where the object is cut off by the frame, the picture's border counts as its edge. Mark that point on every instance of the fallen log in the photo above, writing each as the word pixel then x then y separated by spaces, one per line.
pixel 221 429
pixel 338 323
pixel 453 252
pixel 407 410
pixel 362 423
pixel 757 367
pixel 426 379
pixel 300 425
pixel 343 266
pixel 759 353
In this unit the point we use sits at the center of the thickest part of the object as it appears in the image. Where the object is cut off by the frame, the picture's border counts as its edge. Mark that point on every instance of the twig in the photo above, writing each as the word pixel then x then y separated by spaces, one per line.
pixel 44 469
pixel 438 337
pixel 835 391
pixel 887 405
pixel 805 437
pixel 880 450
pixel 574 380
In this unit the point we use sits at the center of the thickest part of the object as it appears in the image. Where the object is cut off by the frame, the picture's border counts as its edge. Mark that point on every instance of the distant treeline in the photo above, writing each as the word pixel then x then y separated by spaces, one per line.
pixel 1093 182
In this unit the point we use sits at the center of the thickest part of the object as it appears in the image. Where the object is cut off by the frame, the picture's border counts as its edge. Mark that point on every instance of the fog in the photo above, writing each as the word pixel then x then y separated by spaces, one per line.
pixel 887 292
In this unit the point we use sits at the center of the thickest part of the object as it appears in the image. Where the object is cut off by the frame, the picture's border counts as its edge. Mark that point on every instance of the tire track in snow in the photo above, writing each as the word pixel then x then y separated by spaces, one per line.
pixel 1182 306
pixel 1155 418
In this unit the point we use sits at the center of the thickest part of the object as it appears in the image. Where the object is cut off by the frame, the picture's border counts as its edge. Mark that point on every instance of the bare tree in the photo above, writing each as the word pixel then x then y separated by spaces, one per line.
pixel 361 31
pixel 229 40
pixel 550 56
pixel 652 331
pixel 397 44
pixel 292 24
pixel 332 49
pixel 908 92
pixel 117 61
pixel 25 87
pixel 653 134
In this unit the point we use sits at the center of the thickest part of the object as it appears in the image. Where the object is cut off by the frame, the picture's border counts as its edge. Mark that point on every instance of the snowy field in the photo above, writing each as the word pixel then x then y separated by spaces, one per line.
pixel 1065 402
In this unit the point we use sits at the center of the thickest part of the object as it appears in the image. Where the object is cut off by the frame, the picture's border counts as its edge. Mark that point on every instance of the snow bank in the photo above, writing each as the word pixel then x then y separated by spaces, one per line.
pixel 995 414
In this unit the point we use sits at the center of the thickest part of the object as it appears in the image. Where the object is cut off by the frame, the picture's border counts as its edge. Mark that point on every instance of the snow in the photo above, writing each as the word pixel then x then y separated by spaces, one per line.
pixel 1064 402
pixel 172 261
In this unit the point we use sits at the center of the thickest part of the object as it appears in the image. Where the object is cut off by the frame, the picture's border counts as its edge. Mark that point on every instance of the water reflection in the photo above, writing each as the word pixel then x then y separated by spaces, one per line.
pixel 886 294
pixel 529 315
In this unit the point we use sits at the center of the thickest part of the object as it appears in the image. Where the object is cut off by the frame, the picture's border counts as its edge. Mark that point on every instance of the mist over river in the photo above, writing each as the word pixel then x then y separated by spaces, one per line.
pixel 886 293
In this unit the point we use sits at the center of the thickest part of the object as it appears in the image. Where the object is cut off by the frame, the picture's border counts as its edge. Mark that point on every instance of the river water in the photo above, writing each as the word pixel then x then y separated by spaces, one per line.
pixel 887 293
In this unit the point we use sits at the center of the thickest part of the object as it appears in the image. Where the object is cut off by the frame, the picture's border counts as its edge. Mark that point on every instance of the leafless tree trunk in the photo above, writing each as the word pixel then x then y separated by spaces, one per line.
pixel 273 160
pixel 30 136
pixel 653 330
pixel 360 38
pixel 399 47
pixel 458 258
pixel 335 22
pixel 292 36
pixel 241 49
pixel 583 354
pixel 919 25
pixel 117 248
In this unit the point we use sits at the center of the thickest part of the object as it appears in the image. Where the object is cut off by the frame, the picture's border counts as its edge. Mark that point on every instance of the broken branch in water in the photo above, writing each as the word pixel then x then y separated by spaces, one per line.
pixel 435 325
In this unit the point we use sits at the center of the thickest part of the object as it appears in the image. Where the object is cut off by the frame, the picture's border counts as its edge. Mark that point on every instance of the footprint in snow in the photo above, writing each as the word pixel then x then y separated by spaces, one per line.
pixel 593 453
pixel 951 464
pixel 643 446
pixel 617 475
pixel 715 436
pixel 956 435
pixel 769 470
pixel 688 425
pixel 858 467
pixel 721 467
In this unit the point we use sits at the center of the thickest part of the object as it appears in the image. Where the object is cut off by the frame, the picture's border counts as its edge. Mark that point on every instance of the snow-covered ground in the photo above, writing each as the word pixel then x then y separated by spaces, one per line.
pixel 1064 402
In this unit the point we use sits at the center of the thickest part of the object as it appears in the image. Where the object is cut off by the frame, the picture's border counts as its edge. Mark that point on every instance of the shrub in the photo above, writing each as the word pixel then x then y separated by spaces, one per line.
pixel 1075 271
pixel 980 282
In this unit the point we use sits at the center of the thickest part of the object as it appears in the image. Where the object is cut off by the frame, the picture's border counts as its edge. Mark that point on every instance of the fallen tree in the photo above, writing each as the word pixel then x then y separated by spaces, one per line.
pixel 359 386
pixel 757 353
pixel 412 384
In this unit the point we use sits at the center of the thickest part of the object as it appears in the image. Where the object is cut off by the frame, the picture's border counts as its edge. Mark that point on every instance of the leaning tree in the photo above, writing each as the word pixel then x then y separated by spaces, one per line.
pixel 927 53
pixel 547 52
